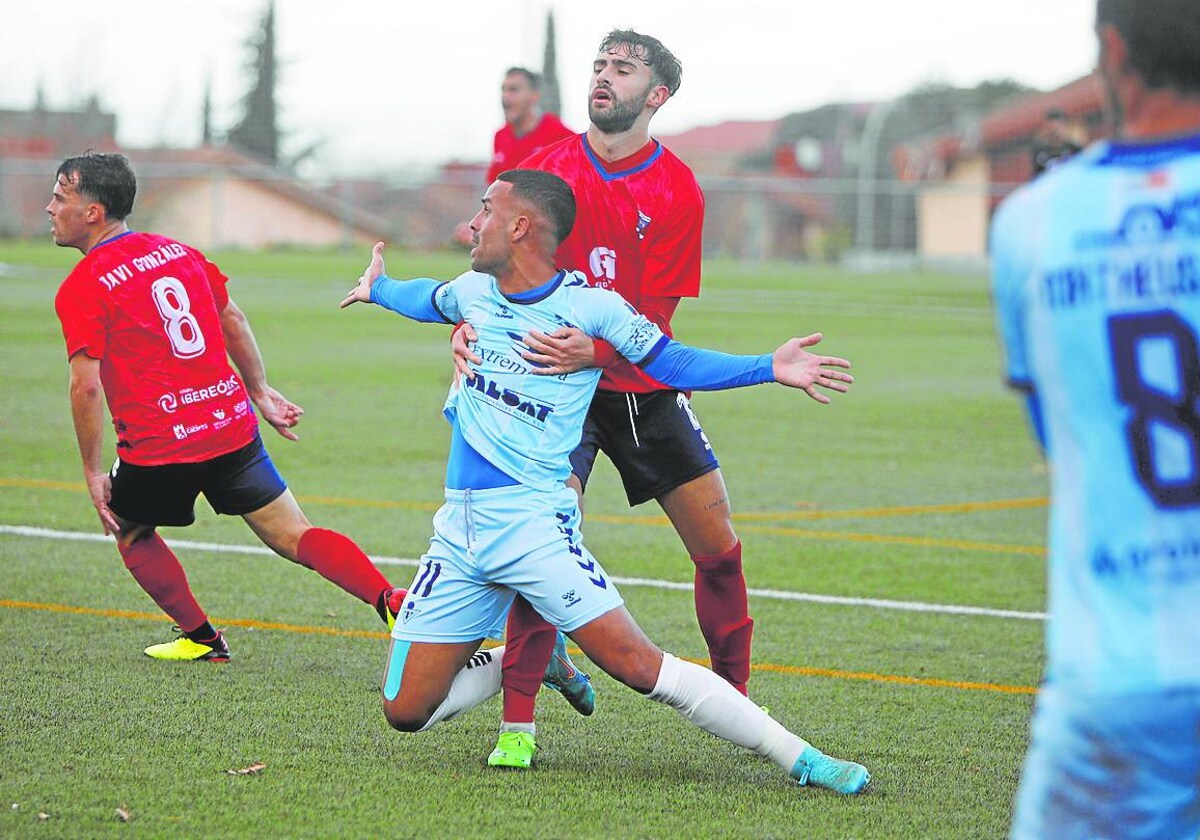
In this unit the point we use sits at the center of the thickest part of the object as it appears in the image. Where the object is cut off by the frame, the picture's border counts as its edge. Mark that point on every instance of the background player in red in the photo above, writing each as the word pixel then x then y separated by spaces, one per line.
pixel 638 231
pixel 526 129
pixel 150 328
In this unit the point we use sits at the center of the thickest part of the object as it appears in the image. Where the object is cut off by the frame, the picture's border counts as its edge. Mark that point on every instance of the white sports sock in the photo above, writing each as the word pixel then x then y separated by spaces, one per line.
pixel 472 685
pixel 717 707
pixel 527 728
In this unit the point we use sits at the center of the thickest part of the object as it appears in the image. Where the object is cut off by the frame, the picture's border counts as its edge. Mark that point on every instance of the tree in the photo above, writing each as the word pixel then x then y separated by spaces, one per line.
pixel 258 132
pixel 551 101
pixel 206 131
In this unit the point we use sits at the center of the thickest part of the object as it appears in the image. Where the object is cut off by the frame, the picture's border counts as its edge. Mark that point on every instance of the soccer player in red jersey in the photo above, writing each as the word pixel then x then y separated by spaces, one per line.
pixel 526 129
pixel 638 232
pixel 150 328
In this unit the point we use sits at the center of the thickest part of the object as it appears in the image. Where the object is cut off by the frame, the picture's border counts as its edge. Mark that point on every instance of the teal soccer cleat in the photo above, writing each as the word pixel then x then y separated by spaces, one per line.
pixel 813 767
pixel 565 678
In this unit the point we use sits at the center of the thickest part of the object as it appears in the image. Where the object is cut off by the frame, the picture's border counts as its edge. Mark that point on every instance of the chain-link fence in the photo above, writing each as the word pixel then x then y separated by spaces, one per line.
pixel 236 203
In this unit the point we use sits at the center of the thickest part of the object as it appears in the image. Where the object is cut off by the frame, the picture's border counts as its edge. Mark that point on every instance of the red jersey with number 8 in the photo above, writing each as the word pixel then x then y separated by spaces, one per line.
pixel 148 308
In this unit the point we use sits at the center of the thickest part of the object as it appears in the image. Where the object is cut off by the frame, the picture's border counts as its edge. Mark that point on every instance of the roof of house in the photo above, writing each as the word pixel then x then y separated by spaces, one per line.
pixel 1026 115
pixel 207 161
pixel 733 137
pixel 1016 122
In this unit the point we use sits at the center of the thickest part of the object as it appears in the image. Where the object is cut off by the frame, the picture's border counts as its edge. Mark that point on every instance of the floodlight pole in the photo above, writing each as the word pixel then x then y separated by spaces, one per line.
pixel 868 146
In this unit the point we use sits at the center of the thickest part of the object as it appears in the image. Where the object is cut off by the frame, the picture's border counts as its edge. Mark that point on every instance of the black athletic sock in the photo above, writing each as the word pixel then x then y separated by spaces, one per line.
pixel 203 634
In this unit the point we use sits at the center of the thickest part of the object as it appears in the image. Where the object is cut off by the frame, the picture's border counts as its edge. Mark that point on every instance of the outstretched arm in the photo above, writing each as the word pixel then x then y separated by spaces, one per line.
pixel 410 298
pixel 274 407
pixel 694 369
pixel 794 366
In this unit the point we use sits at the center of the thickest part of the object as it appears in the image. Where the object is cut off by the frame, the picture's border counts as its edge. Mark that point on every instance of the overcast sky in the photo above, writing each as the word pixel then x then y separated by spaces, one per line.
pixel 391 84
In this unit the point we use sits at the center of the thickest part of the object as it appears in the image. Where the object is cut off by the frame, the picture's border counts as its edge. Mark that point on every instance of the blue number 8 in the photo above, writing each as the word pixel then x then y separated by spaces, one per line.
pixel 1152 405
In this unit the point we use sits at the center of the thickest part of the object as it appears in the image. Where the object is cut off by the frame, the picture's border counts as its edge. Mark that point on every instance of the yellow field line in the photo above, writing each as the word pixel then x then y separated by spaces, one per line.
pixel 901 510
pixel 829 673
pixel 779 531
pixel 894 539
pixel 43 484
pixel 230 622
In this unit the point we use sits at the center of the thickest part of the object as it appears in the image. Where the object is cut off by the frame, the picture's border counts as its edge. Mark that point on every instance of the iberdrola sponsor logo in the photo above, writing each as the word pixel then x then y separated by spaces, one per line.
pixel 170 402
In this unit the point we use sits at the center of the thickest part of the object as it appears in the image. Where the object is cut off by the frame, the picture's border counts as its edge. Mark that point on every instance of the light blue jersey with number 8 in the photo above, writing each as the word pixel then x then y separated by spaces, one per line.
pixel 1096 270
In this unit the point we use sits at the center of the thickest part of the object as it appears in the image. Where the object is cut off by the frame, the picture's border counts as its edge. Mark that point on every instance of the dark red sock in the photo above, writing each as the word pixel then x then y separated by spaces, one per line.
pixel 336 558
pixel 723 613
pixel 527 652
pixel 157 570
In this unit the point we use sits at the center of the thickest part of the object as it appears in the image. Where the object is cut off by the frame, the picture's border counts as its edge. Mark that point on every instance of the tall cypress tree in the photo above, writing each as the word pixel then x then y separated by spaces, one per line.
pixel 206 131
pixel 551 102
pixel 258 132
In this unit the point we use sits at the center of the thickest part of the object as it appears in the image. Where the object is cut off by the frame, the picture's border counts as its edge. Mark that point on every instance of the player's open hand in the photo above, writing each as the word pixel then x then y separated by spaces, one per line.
pixel 797 368
pixel 362 290
pixel 464 336
pixel 565 350
pixel 279 411
pixel 100 489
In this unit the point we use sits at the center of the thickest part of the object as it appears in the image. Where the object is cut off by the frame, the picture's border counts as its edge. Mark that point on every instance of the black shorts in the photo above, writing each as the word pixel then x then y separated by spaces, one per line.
pixel 236 483
pixel 654 440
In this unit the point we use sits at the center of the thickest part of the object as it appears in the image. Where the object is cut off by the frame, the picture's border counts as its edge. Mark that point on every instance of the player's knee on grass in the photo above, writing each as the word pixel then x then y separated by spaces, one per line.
pixel 404 719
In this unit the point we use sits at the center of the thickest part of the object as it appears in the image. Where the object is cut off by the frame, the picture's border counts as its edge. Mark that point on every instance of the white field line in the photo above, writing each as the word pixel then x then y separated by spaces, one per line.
pixel 650 583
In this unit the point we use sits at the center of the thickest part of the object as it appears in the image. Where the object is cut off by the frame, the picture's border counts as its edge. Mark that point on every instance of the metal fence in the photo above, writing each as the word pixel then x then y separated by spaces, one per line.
pixel 865 222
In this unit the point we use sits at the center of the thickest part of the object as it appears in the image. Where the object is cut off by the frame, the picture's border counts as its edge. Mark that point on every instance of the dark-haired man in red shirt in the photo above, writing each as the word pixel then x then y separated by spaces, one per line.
pixel 150 328
pixel 638 231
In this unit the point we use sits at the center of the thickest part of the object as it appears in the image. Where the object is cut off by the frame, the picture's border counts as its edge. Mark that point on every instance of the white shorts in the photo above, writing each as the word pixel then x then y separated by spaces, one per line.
pixel 488 544
pixel 1122 766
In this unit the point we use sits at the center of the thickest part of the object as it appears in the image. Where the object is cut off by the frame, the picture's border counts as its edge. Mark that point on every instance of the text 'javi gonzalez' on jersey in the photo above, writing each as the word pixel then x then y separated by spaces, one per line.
pixel 156 258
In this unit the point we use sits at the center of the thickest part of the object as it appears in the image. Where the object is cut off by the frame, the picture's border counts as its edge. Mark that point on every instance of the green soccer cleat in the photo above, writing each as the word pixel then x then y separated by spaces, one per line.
pixel 565 678
pixel 813 767
pixel 183 649
pixel 513 749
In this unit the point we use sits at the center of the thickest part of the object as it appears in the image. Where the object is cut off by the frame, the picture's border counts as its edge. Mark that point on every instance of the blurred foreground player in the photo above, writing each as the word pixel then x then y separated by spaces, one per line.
pixel 1097 285
pixel 150 329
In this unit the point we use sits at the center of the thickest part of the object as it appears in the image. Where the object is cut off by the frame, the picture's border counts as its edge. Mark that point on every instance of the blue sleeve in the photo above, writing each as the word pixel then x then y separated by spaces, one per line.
pixel 1034 406
pixel 411 298
pixel 693 369
pixel 1010 275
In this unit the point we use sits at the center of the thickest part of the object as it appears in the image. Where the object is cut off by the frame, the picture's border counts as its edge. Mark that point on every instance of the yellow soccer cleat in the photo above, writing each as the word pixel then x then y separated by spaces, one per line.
pixel 183 649
pixel 514 749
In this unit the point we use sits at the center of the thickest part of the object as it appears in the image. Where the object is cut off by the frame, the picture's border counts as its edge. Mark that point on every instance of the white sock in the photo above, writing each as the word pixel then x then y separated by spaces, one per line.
pixel 527 728
pixel 717 707
pixel 472 685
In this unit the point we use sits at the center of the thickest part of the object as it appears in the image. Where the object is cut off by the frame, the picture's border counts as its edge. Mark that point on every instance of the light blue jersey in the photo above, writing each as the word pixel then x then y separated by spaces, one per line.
pixel 509 518
pixel 1097 284
pixel 526 425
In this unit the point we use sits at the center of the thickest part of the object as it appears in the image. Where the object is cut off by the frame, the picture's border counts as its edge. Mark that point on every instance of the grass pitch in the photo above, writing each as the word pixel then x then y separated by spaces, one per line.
pixel 918 492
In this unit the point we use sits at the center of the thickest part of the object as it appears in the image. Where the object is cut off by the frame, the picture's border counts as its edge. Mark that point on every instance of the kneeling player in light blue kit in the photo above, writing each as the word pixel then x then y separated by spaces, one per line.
pixel 1097 284
pixel 510 524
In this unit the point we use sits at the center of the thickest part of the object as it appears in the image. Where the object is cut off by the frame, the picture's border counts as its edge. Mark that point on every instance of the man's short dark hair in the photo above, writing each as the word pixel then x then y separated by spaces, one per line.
pixel 107 179
pixel 1163 37
pixel 548 193
pixel 665 66
pixel 534 79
